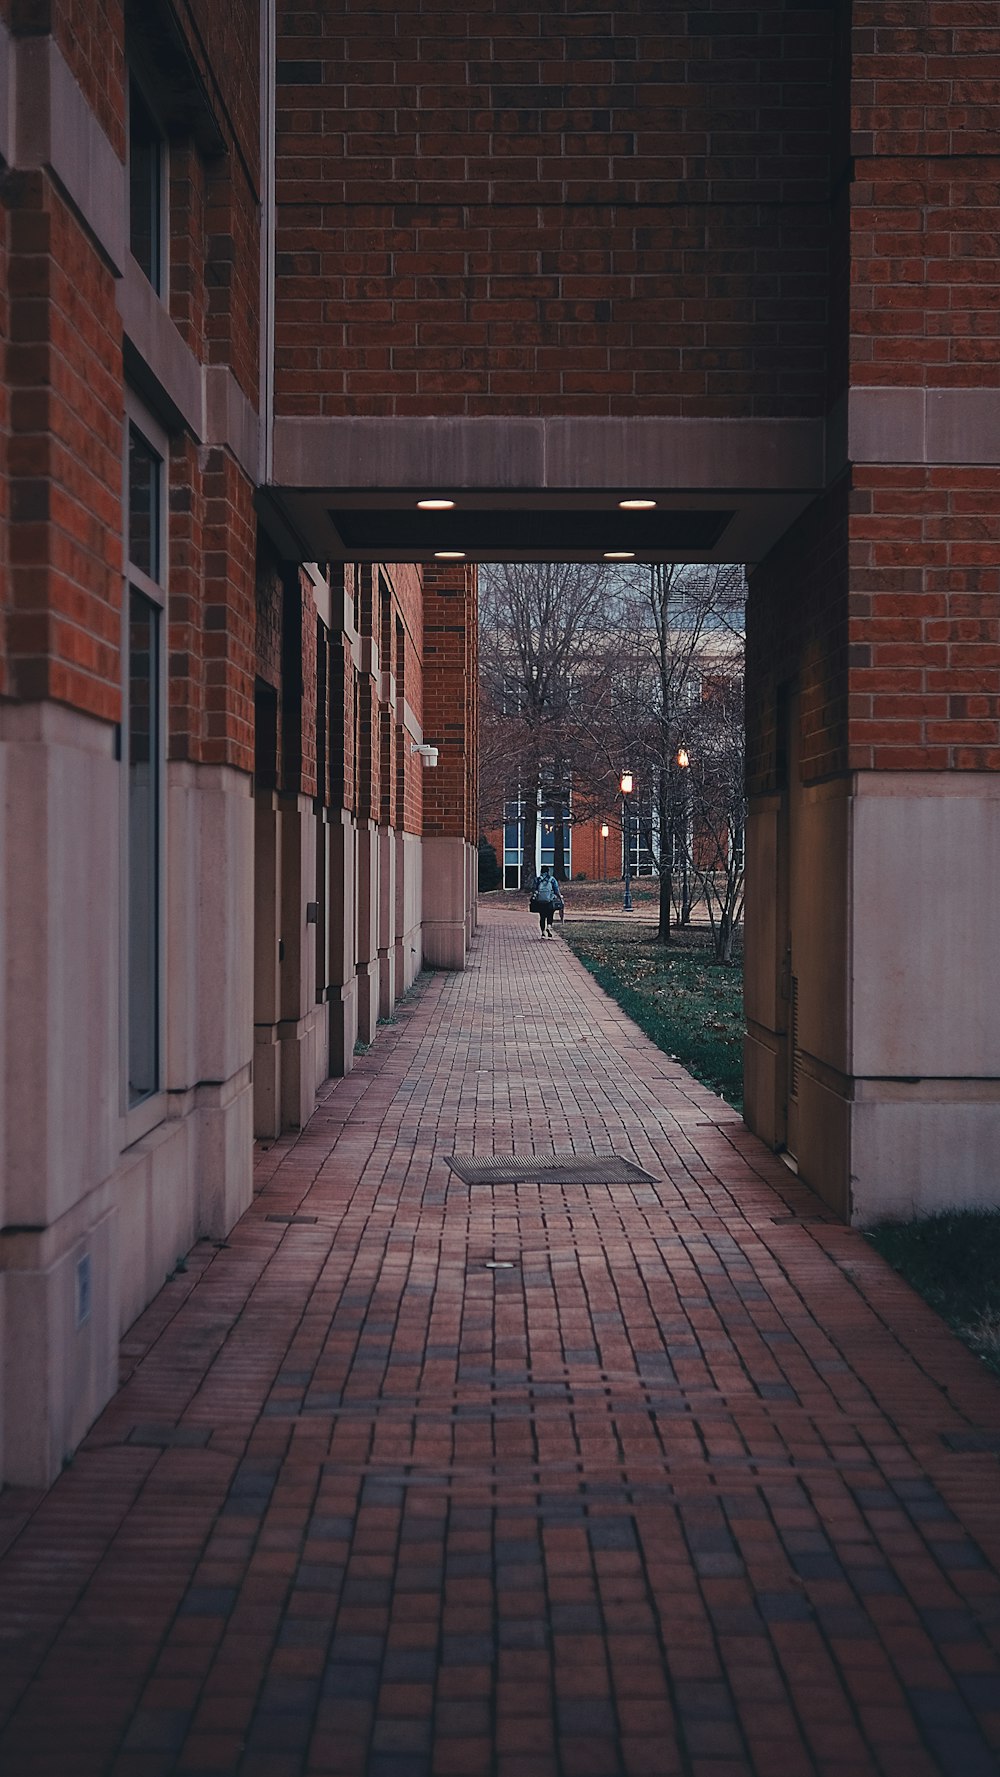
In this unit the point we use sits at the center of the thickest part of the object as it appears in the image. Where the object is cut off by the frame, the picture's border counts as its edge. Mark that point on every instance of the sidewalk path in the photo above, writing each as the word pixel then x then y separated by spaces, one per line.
pixel 696 1486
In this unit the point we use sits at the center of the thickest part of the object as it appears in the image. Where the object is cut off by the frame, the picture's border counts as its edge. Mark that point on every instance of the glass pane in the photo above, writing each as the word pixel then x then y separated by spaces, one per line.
pixel 144 466
pixel 145 165
pixel 143 848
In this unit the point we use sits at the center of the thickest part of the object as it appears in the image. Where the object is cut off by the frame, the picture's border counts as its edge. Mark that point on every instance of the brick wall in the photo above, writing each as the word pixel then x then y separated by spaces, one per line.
pixel 188 295
pixel 185 631
pixel 4 448
pixel 449 792
pixel 408 621
pixel 299 685
pixel 925 618
pixel 91 36
pixel 65 457
pixel 797 628
pixel 925 312
pixel 229 612
pixel 504 211
pixel 925 222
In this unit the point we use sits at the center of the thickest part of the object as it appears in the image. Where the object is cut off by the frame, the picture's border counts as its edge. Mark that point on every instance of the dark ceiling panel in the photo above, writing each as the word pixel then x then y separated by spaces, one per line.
pixel 397 534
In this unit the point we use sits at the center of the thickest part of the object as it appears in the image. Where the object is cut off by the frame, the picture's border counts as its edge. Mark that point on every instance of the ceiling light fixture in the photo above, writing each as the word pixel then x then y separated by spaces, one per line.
pixel 436 505
pixel 449 555
pixel 619 555
pixel 636 505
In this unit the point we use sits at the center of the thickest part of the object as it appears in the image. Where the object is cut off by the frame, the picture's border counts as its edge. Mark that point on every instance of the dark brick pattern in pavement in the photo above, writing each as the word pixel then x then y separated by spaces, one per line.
pixel 682 1491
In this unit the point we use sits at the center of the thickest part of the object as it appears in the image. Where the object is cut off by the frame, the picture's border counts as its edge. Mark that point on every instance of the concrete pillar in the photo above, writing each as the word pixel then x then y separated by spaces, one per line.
pixel 387 957
pixel 343 988
pixel 267 967
pixel 367 929
pixel 409 907
pixel 446 909
pixel 300 1018
pixel 210 1037
pixel 61 1112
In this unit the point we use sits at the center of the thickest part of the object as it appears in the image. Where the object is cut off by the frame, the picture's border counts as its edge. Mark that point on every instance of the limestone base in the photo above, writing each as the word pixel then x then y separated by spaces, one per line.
pixel 870 929
pixel 448 916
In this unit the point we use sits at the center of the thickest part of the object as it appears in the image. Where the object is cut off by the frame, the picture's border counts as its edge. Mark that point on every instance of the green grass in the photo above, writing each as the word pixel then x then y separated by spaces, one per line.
pixel 687 1003
pixel 953 1261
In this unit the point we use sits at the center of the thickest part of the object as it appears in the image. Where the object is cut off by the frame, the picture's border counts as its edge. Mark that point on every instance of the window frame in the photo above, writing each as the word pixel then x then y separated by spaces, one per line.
pixel 143 1115
pixel 160 285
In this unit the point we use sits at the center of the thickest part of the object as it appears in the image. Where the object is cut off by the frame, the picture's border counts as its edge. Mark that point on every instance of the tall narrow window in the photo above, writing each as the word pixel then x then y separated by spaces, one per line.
pixel 513 842
pixel 143 756
pixel 143 847
pixel 146 168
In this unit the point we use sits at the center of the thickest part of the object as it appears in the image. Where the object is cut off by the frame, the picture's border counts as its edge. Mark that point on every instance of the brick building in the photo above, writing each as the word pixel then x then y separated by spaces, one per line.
pixel 215 805
pixel 275 271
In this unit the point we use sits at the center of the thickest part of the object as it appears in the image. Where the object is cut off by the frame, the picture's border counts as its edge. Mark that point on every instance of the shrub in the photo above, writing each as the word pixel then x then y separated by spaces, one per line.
pixel 490 873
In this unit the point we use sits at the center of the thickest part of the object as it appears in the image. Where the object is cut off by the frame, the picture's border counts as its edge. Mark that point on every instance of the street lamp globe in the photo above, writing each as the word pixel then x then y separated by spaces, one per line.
pixel 627 782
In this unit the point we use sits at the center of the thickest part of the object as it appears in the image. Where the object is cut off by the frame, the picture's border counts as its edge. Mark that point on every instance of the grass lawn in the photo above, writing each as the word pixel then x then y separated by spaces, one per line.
pixel 690 1005
pixel 953 1261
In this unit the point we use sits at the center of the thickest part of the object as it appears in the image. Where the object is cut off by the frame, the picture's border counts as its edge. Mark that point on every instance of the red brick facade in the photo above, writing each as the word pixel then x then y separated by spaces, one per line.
pixel 531 228
pixel 551 212
pixel 63 367
pixel 449 679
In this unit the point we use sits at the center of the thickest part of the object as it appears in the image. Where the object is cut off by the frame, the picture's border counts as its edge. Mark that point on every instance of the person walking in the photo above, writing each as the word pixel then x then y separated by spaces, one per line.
pixel 545 898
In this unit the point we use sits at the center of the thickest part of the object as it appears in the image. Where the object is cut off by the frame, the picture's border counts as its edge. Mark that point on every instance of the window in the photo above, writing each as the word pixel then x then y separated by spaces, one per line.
pixel 513 841
pixel 147 162
pixel 143 753
pixel 547 834
pixel 643 834
pixel 143 847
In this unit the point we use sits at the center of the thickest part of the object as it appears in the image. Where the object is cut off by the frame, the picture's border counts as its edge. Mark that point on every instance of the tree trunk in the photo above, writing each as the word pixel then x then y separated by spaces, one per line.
pixel 666 895
pixel 664 855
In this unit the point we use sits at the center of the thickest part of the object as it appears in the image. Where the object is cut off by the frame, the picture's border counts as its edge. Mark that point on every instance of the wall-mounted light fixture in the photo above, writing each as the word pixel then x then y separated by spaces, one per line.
pixel 428 754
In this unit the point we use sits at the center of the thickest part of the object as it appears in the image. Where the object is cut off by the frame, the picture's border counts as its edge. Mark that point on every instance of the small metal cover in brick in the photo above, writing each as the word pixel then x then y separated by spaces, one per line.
pixel 557 1169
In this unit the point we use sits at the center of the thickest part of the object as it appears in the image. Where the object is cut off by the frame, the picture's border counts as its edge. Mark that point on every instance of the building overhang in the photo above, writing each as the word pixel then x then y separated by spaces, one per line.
pixel 346 489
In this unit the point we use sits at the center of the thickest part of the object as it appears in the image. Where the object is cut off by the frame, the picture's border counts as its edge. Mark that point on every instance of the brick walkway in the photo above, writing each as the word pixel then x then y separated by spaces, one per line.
pixel 696 1486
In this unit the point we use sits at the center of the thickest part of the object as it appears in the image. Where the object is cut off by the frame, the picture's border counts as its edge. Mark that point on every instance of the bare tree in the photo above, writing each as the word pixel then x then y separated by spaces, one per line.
pixel 544 652
pixel 677 620
pixel 715 792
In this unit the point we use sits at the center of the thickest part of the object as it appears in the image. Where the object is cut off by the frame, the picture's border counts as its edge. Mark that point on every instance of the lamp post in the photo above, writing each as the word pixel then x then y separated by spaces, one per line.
pixel 605 830
pixel 683 765
pixel 627 784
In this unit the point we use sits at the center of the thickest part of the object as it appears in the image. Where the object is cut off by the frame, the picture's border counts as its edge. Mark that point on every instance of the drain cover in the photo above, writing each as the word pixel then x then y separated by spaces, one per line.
pixel 560 1169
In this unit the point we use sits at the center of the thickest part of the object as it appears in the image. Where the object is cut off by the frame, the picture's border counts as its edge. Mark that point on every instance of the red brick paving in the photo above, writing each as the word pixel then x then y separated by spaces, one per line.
pixel 673 1495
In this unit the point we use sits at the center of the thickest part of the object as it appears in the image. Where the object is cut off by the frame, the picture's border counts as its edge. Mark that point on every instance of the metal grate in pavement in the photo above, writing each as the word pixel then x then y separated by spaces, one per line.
pixel 558 1169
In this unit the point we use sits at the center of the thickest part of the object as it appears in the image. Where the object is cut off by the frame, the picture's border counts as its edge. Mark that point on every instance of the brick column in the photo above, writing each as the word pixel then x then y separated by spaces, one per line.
pixel 873 977
pixel 449 821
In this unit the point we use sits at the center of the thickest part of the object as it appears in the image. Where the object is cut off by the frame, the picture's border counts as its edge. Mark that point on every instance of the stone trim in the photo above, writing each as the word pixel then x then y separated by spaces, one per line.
pixel 518 453
pixel 932 426
pixel 231 420
pixel 54 127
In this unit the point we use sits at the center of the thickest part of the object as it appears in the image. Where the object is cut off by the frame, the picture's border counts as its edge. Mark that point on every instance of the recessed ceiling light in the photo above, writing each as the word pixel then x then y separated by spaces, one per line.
pixel 637 505
pixel 449 555
pixel 435 505
pixel 619 555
